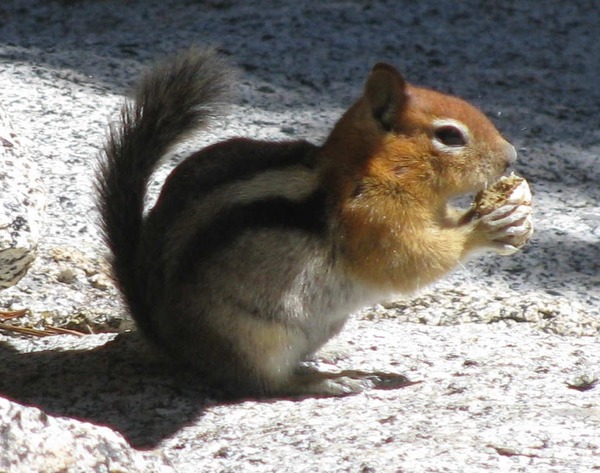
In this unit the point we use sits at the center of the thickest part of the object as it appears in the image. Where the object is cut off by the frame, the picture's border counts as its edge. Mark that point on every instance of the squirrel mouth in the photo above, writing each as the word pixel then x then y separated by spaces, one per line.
pixel 493 178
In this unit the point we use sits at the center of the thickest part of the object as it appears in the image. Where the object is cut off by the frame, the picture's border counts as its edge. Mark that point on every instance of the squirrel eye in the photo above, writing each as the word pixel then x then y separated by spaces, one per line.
pixel 450 136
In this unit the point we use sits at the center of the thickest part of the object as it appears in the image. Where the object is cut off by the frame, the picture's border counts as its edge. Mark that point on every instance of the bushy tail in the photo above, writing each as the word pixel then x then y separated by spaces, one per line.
pixel 171 100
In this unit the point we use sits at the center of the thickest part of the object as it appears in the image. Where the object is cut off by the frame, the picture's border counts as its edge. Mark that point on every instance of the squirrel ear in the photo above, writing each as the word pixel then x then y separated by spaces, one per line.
pixel 385 93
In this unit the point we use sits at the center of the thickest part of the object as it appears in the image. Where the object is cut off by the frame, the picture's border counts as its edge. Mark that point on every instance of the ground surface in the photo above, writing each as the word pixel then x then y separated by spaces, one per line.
pixel 497 347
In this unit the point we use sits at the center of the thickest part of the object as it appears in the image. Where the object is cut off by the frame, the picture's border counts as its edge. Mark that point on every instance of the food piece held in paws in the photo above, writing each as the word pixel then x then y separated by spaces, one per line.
pixel 496 195
pixel 505 209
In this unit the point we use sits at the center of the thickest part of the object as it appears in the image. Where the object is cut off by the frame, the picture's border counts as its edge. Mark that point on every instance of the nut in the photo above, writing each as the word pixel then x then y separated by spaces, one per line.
pixel 496 195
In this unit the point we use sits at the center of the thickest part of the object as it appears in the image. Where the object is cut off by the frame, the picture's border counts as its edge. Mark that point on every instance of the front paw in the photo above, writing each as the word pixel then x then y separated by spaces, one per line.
pixel 508 225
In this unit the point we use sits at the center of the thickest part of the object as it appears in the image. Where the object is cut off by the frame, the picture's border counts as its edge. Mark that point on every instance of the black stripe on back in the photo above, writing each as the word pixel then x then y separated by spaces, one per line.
pixel 308 215
pixel 227 162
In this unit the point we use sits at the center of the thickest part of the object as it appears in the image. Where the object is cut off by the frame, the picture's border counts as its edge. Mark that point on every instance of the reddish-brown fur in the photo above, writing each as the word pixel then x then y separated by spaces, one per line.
pixel 392 185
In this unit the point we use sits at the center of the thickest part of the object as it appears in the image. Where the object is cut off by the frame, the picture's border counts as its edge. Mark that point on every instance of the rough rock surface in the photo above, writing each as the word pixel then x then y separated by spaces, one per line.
pixel 505 351
pixel 33 441
pixel 21 206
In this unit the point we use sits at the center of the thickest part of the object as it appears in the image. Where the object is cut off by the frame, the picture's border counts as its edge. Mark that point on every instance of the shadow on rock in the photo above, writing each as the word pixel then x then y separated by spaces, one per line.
pixel 556 262
pixel 116 385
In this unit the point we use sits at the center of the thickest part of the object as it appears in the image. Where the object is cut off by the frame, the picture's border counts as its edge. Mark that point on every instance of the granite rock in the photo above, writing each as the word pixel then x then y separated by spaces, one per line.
pixel 21 206
pixel 31 440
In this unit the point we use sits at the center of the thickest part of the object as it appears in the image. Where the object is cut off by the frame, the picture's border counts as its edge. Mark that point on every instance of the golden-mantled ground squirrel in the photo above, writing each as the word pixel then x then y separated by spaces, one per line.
pixel 256 252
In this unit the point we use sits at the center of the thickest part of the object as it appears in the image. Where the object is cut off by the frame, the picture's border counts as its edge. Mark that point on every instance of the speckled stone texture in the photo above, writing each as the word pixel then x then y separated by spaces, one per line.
pixel 21 206
pixel 33 441
pixel 505 350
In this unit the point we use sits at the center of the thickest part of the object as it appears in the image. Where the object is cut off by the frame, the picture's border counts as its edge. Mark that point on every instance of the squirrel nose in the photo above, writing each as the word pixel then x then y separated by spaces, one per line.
pixel 510 153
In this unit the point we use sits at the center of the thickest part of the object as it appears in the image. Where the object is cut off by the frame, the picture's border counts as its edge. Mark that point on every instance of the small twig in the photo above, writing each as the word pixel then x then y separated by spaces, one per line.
pixel 48 331
pixel 24 330
pixel 65 331
pixel 509 452
pixel 12 314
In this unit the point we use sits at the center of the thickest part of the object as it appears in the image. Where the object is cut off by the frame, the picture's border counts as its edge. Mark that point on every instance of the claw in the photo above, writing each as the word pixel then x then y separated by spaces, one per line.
pixel 510 232
pixel 512 219
pixel 507 216
pixel 12 314
pixel 512 238
pixel 506 250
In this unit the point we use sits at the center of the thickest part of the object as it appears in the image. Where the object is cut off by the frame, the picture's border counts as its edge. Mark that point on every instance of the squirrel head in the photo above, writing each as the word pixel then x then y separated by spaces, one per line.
pixel 400 138
pixel 391 163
